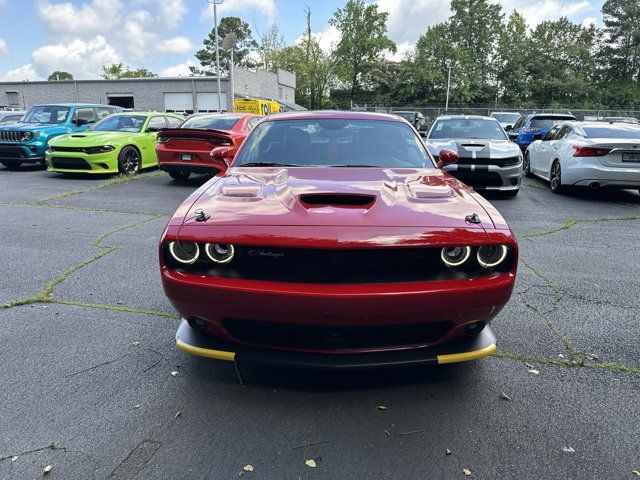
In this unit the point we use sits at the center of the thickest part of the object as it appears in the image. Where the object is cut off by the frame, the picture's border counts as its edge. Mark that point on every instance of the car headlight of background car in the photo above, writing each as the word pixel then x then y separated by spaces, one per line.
pixel 100 149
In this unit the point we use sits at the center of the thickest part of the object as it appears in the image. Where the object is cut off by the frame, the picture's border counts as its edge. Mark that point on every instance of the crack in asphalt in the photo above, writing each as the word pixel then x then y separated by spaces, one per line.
pixel 571 222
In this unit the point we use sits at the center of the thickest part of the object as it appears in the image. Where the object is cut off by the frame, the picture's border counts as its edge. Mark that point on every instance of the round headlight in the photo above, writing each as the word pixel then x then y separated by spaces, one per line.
pixel 455 256
pixel 219 252
pixel 184 252
pixel 492 255
pixel 26 136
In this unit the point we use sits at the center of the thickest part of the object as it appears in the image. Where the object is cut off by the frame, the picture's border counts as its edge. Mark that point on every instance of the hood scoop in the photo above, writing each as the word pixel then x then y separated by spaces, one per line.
pixel 340 200
pixel 430 191
pixel 240 191
pixel 78 136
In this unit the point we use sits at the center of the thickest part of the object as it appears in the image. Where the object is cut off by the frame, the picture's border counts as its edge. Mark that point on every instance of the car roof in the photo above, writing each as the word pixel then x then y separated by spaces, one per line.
pixel 73 105
pixel 551 115
pixel 339 114
pixel 146 114
pixel 510 113
pixel 599 123
pixel 466 117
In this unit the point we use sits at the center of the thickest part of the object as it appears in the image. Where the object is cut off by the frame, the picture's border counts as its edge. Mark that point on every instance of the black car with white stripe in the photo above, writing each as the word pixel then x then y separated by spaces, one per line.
pixel 487 159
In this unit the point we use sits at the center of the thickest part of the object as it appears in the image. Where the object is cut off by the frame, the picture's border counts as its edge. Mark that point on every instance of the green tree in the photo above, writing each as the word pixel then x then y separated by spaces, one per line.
pixel 245 45
pixel 269 45
pixel 512 61
pixel 117 71
pixel 59 75
pixel 363 41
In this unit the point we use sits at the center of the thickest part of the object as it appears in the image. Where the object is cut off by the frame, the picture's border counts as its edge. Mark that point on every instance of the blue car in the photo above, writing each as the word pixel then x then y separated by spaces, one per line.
pixel 26 141
pixel 528 126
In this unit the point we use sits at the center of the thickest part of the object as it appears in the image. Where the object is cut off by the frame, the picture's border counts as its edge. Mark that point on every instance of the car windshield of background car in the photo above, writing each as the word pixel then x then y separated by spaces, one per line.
pixel 335 142
pixel 120 123
pixel 467 128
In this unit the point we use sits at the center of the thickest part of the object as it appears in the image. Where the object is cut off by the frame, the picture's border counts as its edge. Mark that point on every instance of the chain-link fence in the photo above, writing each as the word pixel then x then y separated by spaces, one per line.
pixel 433 112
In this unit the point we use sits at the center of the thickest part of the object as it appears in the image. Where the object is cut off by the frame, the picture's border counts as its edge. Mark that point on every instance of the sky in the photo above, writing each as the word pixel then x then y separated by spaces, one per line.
pixel 79 36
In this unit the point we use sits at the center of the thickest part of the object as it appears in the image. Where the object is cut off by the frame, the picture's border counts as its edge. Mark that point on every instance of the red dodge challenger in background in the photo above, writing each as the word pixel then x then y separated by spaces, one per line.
pixel 185 150
pixel 335 241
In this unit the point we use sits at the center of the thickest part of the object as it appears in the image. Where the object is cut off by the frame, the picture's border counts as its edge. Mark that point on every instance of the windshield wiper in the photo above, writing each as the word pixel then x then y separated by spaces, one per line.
pixel 356 165
pixel 266 164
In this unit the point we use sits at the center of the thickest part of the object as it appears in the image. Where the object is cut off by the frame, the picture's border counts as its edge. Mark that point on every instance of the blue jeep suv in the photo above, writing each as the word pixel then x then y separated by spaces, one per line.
pixel 527 126
pixel 26 141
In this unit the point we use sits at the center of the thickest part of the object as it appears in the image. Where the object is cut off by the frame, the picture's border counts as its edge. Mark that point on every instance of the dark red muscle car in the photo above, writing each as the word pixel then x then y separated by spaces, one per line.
pixel 187 149
pixel 335 241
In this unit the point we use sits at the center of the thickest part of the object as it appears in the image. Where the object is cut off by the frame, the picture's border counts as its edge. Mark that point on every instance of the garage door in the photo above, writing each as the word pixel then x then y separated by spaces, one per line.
pixel 208 102
pixel 178 102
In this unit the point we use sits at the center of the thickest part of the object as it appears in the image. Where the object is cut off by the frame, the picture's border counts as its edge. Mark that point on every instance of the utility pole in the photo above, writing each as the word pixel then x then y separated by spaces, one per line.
pixel 447 62
pixel 229 43
pixel 215 4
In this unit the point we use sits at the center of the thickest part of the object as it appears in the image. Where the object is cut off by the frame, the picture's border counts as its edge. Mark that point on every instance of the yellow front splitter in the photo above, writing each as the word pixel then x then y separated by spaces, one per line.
pixel 462 350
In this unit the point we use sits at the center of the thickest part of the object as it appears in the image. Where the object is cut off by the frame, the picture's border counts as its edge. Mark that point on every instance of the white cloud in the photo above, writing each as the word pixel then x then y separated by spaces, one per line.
pixel 408 19
pixel 4 51
pixel 63 20
pixel 402 49
pixel 589 21
pixel 170 12
pixel 81 58
pixel 181 70
pixel 25 72
pixel 175 45
pixel 265 7
pixel 327 39
pixel 542 10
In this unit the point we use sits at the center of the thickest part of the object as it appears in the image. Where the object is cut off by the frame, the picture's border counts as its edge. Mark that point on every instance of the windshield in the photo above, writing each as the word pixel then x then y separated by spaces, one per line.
pixel 546 123
pixel 214 122
pixel 467 128
pixel 506 117
pixel 334 142
pixel 613 131
pixel 46 114
pixel 120 123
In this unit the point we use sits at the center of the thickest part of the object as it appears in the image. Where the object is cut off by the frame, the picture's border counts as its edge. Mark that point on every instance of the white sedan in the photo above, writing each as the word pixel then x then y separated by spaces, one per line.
pixel 592 154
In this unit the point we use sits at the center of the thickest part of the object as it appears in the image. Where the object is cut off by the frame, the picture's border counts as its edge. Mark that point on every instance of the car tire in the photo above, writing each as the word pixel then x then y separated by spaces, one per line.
pixel 12 165
pixel 526 165
pixel 555 180
pixel 129 160
pixel 179 175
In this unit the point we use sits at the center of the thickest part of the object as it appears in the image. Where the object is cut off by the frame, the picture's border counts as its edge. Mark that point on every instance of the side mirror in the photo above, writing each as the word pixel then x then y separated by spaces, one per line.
pixel 152 129
pixel 446 157
pixel 79 122
pixel 221 154
pixel 538 136
pixel 508 128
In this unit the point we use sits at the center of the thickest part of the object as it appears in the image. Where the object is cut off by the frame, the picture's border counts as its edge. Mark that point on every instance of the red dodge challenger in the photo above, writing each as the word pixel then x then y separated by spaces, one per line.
pixel 186 149
pixel 335 241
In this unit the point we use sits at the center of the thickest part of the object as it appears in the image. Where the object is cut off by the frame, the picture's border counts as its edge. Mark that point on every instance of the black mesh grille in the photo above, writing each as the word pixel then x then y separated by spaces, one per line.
pixel 499 162
pixel 328 337
pixel 8 152
pixel 70 163
pixel 478 179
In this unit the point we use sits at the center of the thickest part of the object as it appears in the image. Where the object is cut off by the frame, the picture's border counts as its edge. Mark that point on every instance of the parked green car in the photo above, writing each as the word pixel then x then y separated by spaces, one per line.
pixel 120 143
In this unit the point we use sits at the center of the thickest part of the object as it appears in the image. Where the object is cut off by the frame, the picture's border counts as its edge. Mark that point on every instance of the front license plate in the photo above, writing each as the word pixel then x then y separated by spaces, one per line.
pixel 631 157
pixel 186 157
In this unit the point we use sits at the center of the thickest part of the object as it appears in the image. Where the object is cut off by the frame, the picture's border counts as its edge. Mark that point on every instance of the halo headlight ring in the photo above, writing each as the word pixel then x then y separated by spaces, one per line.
pixel 173 246
pixel 460 260
pixel 219 253
pixel 493 260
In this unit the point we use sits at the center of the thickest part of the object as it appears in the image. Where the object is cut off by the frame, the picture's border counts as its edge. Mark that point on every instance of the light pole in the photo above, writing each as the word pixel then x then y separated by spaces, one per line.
pixel 215 4
pixel 229 43
pixel 447 62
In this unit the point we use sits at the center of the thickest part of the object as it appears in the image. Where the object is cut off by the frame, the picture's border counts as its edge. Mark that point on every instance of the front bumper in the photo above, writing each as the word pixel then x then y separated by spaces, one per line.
pixel 17 153
pixel 78 162
pixel 488 177
pixel 460 350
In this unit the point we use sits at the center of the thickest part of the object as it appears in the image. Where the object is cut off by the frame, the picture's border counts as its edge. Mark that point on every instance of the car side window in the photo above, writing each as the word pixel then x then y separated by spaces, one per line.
pixel 173 122
pixel 86 114
pixel 104 112
pixel 518 123
pixel 156 123
pixel 551 134
pixel 251 123
pixel 563 132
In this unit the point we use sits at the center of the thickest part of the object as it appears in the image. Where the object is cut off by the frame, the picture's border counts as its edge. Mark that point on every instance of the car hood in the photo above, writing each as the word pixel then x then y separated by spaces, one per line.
pixel 353 197
pixel 89 139
pixel 475 148
pixel 29 127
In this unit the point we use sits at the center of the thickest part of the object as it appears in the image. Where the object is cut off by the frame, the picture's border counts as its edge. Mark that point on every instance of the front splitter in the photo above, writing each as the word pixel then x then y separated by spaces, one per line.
pixel 460 350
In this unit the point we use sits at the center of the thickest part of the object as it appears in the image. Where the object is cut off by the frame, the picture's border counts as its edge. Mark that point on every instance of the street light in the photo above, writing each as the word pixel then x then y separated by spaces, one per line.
pixel 447 62
pixel 229 43
pixel 215 3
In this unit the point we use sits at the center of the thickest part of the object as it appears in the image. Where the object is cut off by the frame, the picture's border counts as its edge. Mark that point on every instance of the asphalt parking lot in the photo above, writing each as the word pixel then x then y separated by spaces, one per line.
pixel 88 353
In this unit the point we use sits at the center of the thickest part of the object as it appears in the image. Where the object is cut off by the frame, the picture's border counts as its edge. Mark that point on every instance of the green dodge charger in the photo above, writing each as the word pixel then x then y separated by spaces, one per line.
pixel 120 143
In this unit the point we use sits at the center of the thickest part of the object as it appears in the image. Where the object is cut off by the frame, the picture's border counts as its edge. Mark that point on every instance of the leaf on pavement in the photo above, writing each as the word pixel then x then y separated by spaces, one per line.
pixel 448 452
pixel 310 463
pixel 467 472
pixel 175 373
pixel 382 407
pixel 636 473
pixel 177 414
pixel 135 344
pixel 534 371
pixel 14 458
pixel 387 433
pixel 47 469
pixel 136 406
pixel 568 450
pixel 504 396
pixel 248 468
